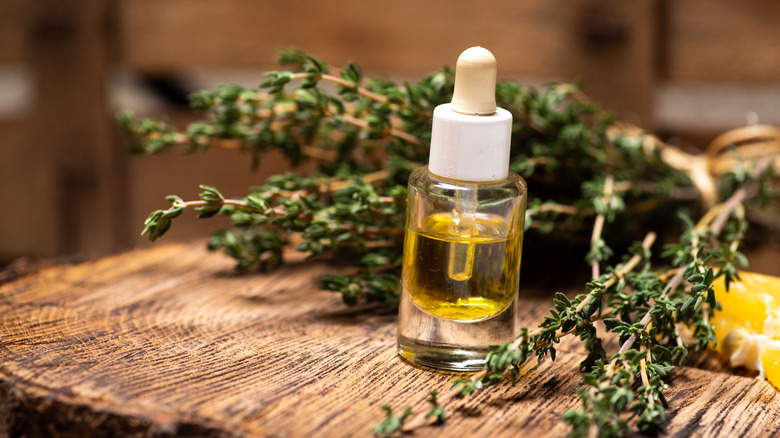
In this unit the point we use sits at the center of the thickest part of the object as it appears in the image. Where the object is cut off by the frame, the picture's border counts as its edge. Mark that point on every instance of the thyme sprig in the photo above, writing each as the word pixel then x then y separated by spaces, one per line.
pixel 569 316
pixel 646 309
pixel 595 184
pixel 643 309
pixel 370 126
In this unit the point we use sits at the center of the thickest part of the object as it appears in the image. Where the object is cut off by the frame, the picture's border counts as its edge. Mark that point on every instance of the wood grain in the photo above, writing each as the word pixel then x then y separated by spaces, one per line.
pixel 13 20
pixel 67 172
pixel 170 341
pixel 608 44
pixel 722 41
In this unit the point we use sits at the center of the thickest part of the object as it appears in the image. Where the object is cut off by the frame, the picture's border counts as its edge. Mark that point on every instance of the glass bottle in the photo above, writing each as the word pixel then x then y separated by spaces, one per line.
pixel 464 231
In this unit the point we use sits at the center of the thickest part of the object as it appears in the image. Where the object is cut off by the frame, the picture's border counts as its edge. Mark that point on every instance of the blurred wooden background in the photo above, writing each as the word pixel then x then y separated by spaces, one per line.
pixel 688 69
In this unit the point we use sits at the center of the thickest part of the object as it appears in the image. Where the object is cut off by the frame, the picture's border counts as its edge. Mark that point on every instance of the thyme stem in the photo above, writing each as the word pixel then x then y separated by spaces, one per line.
pixel 392 131
pixel 714 220
pixel 418 413
pixel 598 226
pixel 346 84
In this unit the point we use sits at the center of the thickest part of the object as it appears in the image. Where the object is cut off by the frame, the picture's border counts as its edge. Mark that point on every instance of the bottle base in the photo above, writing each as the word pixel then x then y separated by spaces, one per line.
pixel 442 356
pixel 443 344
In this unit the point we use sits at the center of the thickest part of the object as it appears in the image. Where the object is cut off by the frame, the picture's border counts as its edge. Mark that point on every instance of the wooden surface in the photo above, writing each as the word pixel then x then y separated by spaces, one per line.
pixel 83 173
pixel 61 159
pixel 607 43
pixel 170 341
pixel 74 190
pixel 722 41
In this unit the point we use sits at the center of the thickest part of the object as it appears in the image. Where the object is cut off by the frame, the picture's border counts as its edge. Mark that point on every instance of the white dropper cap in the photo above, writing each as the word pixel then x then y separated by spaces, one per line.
pixel 471 137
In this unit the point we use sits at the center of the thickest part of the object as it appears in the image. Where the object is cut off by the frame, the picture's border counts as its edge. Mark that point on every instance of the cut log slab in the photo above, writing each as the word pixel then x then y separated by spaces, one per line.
pixel 170 341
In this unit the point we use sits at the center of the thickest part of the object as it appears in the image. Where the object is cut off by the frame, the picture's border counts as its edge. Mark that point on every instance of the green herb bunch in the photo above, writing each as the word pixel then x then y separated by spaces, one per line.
pixel 594 183
pixel 363 136
pixel 646 306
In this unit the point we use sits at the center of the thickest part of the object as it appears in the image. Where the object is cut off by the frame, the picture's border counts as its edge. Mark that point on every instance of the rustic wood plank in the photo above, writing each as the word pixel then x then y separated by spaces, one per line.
pixel 722 41
pixel 12 31
pixel 69 146
pixel 169 340
pixel 405 37
pixel 614 51
pixel 607 43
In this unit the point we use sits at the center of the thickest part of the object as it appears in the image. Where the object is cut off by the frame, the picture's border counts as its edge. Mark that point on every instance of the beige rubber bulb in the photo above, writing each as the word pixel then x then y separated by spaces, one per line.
pixel 475 82
pixel 471 137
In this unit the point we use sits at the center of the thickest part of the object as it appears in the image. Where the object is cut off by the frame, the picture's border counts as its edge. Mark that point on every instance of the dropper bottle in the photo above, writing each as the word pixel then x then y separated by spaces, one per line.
pixel 464 230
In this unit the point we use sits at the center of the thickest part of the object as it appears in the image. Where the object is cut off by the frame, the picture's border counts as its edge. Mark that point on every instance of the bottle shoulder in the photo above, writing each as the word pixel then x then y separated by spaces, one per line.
pixel 423 179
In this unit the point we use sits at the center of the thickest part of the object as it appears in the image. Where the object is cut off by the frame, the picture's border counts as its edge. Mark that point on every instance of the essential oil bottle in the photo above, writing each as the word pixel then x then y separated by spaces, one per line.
pixel 464 230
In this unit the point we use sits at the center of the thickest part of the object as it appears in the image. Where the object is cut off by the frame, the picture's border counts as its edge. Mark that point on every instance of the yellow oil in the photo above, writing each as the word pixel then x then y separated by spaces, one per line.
pixel 462 276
